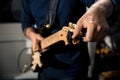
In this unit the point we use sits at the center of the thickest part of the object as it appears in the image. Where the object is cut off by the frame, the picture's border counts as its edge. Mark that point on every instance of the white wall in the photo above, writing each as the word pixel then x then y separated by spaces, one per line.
pixel 12 41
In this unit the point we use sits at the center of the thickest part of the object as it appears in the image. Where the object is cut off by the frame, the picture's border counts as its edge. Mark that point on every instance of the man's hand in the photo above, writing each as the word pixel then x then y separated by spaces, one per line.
pixel 36 42
pixel 94 20
pixel 95 24
pixel 35 38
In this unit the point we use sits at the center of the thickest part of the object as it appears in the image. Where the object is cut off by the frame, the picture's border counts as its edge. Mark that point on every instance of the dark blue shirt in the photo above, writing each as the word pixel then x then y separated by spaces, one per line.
pixel 65 61
pixel 68 11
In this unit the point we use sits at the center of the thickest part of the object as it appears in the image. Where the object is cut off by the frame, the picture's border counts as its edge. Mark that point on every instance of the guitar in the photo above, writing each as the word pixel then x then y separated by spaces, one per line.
pixel 61 35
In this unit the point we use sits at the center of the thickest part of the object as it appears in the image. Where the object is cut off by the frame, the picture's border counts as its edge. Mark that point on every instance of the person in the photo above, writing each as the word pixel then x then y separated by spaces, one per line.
pixel 66 62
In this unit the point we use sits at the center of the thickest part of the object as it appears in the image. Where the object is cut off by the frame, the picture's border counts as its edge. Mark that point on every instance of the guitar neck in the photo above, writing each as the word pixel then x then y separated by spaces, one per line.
pixel 54 38
pixel 61 35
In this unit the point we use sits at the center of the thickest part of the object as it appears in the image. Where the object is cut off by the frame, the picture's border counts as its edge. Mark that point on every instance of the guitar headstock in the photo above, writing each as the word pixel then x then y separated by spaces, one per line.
pixel 70 29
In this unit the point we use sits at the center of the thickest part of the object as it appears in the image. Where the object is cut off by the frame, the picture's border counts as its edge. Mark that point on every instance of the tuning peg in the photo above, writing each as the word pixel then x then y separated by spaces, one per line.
pixel 72 25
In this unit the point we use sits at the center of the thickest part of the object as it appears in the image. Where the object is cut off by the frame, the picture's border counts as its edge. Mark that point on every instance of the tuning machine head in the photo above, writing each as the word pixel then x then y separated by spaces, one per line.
pixel 72 25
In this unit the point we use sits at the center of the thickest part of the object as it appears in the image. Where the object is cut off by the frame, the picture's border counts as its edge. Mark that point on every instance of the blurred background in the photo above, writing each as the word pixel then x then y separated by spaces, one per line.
pixel 13 43
pixel 15 49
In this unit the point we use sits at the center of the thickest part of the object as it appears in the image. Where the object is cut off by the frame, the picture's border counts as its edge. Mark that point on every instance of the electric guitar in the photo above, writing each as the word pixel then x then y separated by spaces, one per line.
pixel 62 35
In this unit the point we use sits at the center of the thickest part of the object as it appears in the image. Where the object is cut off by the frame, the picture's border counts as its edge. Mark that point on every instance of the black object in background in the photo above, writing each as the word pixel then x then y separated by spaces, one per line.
pixel 10 11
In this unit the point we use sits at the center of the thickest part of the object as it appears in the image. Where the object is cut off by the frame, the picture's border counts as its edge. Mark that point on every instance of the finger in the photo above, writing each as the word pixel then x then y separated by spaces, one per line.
pixel 36 47
pixel 89 33
pixel 96 34
pixel 77 30
pixel 103 33
pixel 36 43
